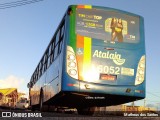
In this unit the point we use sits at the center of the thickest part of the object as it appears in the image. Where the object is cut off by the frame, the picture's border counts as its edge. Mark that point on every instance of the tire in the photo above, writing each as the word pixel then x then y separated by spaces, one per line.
pixel 32 108
pixel 86 111
pixel 41 101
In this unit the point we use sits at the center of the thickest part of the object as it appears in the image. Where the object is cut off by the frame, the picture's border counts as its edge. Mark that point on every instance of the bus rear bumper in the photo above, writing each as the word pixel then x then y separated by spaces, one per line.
pixel 95 88
pixel 126 90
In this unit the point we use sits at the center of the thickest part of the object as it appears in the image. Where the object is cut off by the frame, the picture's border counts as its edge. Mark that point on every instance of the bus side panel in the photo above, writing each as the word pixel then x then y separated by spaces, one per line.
pixel 35 91
pixel 52 80
pixel 54 75
pixel 33 96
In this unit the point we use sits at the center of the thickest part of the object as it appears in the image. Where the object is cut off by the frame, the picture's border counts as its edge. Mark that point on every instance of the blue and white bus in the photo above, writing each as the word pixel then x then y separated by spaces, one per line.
pixel 95 58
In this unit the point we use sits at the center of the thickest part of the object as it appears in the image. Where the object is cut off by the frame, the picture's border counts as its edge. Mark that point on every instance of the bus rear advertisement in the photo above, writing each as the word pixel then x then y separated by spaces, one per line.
pixel 95 58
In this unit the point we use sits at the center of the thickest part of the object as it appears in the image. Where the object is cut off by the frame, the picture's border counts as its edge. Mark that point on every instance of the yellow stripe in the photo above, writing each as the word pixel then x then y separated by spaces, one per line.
pixel 88 6
pixel 87 54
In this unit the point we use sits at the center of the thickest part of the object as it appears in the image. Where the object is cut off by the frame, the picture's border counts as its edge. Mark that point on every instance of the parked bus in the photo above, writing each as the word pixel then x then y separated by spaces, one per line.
pixel 95 58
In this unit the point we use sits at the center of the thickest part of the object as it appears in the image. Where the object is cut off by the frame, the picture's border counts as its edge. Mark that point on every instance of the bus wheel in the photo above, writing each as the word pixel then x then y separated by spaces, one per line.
pixel 41 101
pixel 86 111
pixel 32 108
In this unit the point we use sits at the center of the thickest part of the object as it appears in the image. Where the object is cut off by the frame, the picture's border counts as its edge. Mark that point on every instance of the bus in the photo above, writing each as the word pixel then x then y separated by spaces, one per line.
pixel 95 58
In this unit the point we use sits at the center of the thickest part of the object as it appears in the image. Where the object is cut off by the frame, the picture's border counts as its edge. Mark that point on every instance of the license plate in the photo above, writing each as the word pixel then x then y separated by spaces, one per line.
pixel 108 77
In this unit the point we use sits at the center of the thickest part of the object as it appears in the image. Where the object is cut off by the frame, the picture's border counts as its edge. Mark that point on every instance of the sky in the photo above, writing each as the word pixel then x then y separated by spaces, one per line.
pixel 25 32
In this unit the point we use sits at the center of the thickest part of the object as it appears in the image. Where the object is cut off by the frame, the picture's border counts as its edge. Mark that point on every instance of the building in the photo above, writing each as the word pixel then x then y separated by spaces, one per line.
pixel 8 97
pixel 120 109
pixel 127 108
pixel 139 109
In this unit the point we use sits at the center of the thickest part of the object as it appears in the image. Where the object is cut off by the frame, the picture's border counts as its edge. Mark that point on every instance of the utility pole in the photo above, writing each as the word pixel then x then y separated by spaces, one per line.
pixel 144 104
pixel 133 106
pixel 157 105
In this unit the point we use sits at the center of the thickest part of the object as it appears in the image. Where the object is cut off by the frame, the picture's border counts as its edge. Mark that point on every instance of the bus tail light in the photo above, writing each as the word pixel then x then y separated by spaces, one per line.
pixel 71 63
pixel 140 71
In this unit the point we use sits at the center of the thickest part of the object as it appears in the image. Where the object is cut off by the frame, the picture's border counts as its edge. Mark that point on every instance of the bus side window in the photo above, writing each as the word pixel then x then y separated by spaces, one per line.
pixel 49 55
pixel 60 46
pixel 56 51
pixel 41 65
pixel 39 70
pixel 34 78
pixel 45 60
pixel 56 44
pixel 61 38
pixel 36 74
pixel 57 37
pixel 62 31
pixel 52 53
pixel 31 82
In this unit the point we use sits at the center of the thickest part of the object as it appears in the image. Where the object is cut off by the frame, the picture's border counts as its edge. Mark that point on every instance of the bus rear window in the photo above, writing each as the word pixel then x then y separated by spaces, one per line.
pixel 107 25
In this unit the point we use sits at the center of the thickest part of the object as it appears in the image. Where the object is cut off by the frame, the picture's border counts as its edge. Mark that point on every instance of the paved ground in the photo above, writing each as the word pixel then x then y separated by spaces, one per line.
pixel 74 116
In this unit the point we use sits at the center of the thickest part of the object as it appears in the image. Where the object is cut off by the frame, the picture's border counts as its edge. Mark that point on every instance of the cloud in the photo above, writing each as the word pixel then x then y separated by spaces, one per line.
pixel 12 82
